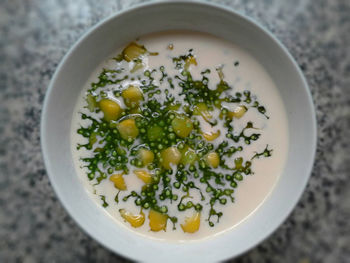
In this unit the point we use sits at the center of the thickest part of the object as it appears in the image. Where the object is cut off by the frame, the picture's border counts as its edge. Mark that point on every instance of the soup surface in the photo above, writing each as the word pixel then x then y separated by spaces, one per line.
pixel 179 135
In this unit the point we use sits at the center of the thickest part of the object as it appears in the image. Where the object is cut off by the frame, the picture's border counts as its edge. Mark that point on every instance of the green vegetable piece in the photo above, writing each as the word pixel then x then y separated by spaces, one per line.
pixel 189 156
pixel 91 102
pixel 93 138
pixel 154 133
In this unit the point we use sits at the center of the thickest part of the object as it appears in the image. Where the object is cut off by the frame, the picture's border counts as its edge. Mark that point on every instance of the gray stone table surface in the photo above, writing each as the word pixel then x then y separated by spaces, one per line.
pixel 34 36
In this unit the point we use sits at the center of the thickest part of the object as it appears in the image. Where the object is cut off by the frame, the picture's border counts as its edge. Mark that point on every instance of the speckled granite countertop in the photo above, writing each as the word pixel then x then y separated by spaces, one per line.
pixel 34 36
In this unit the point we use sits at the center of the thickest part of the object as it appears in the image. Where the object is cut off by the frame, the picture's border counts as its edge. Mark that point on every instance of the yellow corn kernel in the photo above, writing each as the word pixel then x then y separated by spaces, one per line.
pixel 213 159
pixel 146 156
pixel 192 223
pixel 211 136
pixel 132 96
pixel 132 51
pixel 111 109
pixel 128 129
pixel 145 176
pixel 134 220
pixel 238 112
pixel 202 109
pixel 157 221
pixel 118 181
pixel 169 156
pixel 182 125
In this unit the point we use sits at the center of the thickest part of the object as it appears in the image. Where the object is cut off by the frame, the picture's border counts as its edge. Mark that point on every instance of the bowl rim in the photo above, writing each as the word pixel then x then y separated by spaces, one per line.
pixel 267 232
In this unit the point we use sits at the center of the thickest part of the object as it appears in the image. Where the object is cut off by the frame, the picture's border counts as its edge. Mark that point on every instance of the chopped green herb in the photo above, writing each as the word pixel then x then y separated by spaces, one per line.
pixel 163 138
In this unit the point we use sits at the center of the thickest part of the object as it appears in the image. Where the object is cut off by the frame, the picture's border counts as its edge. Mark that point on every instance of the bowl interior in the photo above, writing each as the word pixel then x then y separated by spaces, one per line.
pixel 116 31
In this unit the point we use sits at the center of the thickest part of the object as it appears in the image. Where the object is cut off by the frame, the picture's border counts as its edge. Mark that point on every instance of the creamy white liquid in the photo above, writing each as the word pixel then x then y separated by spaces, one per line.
pixel 210 52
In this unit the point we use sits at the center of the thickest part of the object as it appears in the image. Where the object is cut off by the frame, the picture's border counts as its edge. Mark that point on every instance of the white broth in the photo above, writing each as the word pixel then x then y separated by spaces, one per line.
pixel 242 72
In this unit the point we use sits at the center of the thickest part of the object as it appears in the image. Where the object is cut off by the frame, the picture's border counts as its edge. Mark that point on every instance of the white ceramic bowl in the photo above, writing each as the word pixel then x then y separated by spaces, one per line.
pixel 123 27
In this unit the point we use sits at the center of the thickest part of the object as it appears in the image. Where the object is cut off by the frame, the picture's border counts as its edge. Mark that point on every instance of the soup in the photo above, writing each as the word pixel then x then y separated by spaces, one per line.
pixel 179 135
